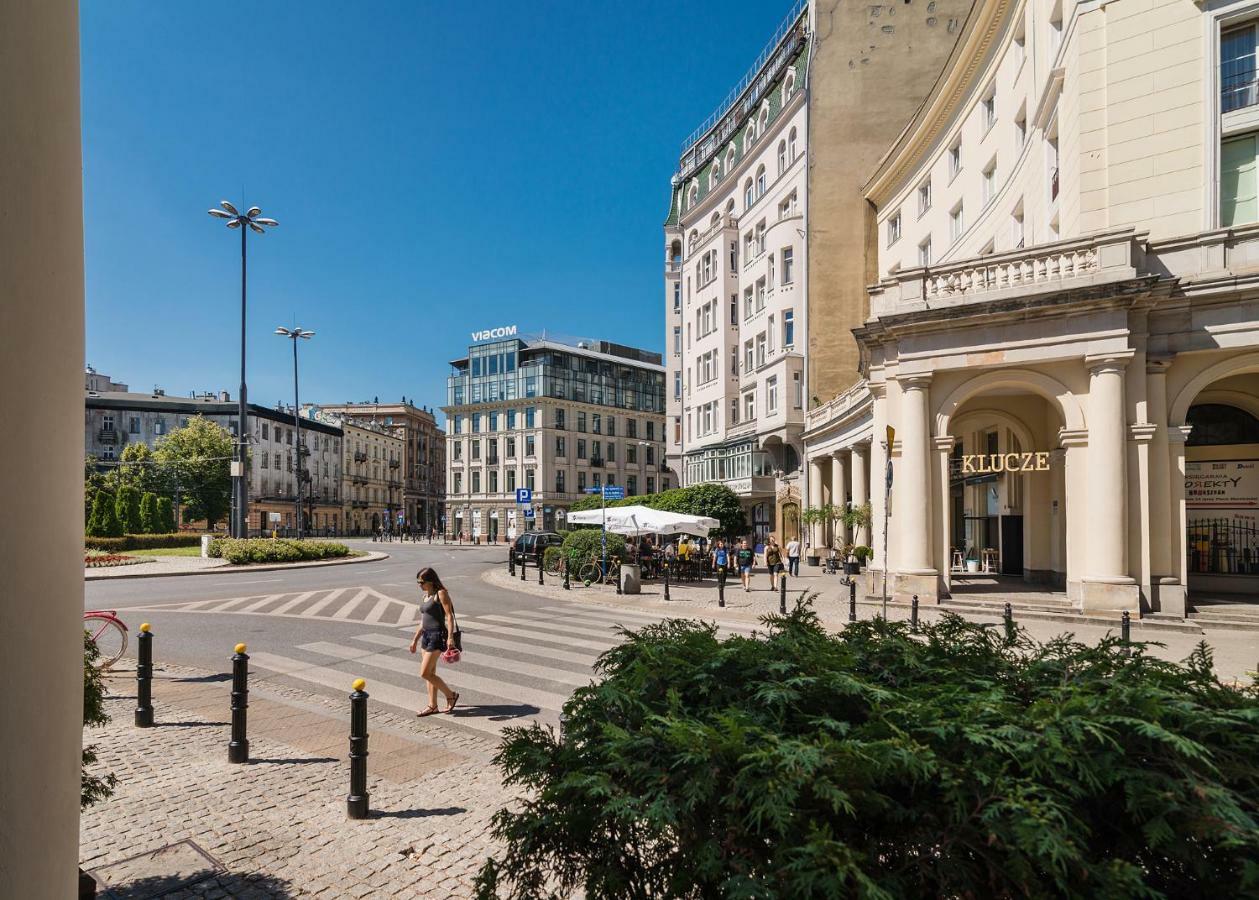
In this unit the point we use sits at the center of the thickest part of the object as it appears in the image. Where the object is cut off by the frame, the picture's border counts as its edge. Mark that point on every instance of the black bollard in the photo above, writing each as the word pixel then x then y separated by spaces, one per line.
pixel 782 594
pixel 618 582
pixel 565 564
pixel 144 678
pixel 1009 622
pixel 540 568
pixel 524 562
pixel 913 613
pixel 721 591
pixel 238 746
pixel 1125 627
pixel 511 564
pixel 852 599
pixel 666 582
pixel 356 806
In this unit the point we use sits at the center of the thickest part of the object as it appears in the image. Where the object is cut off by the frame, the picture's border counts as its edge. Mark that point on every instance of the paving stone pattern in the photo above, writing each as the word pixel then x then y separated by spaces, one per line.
pixel 278 824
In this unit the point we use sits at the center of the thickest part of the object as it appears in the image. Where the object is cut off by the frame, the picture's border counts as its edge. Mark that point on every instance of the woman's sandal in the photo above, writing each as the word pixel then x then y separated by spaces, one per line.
pixel 427 711
pixel 453 701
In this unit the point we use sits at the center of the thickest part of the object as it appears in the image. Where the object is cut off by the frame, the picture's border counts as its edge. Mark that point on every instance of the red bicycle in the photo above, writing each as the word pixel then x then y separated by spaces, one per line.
pixel 109 632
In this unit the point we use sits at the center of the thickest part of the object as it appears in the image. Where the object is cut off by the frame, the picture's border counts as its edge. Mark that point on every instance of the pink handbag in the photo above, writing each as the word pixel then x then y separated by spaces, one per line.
pixel 452 655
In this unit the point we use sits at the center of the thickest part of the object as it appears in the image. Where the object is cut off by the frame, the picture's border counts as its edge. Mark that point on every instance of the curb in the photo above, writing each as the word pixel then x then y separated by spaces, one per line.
pixel 372 556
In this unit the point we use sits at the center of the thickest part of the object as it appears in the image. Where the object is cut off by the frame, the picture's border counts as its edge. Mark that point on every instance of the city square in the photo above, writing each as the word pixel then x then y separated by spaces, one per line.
pixel 884 524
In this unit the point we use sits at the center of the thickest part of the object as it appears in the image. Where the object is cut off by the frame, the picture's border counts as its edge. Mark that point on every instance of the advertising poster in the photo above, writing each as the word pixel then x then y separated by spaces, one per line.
pixel 1222 500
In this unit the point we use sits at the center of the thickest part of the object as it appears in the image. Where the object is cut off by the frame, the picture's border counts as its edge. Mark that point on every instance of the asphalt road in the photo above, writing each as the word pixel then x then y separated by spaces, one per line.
pixel 320 628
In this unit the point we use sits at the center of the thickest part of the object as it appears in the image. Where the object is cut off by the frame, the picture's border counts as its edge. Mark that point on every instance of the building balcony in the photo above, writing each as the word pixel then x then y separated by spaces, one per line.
pixel 394 463
pixel 596 463
pixel 360 457
pixel 108 436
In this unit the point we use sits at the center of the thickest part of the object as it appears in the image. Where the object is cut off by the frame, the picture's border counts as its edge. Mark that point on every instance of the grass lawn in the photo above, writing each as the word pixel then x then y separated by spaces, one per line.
pixel 166 551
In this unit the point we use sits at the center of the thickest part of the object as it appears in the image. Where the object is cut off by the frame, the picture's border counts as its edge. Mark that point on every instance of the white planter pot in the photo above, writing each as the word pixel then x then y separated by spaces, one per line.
pixel 972 566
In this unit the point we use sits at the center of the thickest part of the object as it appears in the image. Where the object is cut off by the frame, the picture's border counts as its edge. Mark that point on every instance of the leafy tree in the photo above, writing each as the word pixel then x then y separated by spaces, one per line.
pixel 93 788
pixel 103 522
pixel 165 515
pixel 127 509
pixel 149 523
pixel 715 500
pixel 140 469
pixel 878 763
pixel 93 481
pixel 197 456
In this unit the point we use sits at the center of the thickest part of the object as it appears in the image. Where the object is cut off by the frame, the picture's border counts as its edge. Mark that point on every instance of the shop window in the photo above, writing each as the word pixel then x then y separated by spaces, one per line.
pixel 1215 424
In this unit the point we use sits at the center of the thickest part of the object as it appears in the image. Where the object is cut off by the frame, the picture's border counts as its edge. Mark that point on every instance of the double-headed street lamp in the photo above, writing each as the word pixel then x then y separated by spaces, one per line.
pixel 240 487
pixel 293 334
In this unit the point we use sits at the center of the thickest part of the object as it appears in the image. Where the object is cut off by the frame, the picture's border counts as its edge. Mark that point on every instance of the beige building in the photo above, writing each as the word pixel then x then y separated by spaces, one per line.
pixel 371 473
pixel 555 419
pixel 423 460
pixel 1064 332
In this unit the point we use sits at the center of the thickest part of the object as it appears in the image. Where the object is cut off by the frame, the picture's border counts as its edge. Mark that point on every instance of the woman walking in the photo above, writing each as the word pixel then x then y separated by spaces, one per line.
pixel 433 637
pixel 744 558
pixel 774 561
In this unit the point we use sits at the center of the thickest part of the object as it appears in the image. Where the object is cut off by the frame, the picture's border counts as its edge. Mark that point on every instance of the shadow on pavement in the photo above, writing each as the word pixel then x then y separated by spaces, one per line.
pixel 294 760
pixel 417 813
pixel 496 712
pixel 230 884
pixel 201 679
pixel 189 724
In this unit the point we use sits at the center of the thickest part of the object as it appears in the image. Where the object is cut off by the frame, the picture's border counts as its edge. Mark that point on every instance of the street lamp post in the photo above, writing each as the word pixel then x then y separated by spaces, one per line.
pixel 293 334
pixel 240 487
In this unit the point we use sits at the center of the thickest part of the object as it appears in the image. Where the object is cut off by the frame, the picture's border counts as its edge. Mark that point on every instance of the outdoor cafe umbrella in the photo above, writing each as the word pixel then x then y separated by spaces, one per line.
pixel 645 520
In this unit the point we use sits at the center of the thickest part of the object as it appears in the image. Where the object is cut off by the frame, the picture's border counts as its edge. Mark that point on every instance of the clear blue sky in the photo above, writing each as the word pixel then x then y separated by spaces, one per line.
pixel 435 168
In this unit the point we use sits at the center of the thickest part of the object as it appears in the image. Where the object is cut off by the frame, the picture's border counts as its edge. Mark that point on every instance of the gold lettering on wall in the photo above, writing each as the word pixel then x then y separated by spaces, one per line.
pixel 991 463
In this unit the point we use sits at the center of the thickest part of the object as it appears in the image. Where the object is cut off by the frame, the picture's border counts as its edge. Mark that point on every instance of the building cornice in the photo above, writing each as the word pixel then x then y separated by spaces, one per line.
pixel 971 56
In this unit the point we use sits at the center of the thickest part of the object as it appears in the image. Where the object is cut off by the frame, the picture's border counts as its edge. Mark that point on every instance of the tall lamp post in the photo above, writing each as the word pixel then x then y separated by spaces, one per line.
pixel 240 487
pixel 293 334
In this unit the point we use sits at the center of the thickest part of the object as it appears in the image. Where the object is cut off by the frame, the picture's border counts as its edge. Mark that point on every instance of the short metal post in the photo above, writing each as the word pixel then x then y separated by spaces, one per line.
pixel 913 613
pixel 666 582
pixel 721 591
pixel 565 563
pixel 524 562
pixel 1009 622
pixel 852 599
pixel 782 594
pixel 511 564
pixel 1125 627
pixel 618 582
pixel 238 746
pixel 356 805
pixel 144 678
pixel 540 568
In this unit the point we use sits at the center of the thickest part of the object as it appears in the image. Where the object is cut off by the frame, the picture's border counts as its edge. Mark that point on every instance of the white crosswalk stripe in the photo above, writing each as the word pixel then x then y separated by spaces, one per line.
pixel 635 620
pixel 477 657
pixel 534 635
pixel 607 632
pixel 353 606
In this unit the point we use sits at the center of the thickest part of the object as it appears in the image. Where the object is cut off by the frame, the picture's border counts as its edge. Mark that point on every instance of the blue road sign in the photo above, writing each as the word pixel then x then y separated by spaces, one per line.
pixel 523 495
pixel 529 513
pixel 613 492
pixel 592 490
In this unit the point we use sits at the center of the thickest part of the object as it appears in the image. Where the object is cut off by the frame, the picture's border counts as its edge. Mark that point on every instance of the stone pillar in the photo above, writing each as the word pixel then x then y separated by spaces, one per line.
pixel 1174 598
pixel 1107 584
pixel 815 499
pixel 859 489
pixel 839 494
pixel 875 466
pixel 1164 528
pixel 912 488
pixel 41 369
pixel 942 513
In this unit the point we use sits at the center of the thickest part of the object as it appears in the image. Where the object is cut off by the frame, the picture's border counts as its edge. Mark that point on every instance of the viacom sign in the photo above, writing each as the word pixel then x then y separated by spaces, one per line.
pixel 492 333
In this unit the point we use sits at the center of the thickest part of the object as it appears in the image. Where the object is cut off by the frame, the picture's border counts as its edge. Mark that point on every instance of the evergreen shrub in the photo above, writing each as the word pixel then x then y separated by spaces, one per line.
pixel 267 550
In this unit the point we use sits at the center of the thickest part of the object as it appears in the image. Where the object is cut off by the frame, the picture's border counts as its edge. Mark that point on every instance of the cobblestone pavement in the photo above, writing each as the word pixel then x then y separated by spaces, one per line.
pixel 1236 653
pixel 278 825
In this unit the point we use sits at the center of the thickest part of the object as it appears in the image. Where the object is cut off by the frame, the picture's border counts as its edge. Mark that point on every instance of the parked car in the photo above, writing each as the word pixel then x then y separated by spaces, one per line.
pixel 531 545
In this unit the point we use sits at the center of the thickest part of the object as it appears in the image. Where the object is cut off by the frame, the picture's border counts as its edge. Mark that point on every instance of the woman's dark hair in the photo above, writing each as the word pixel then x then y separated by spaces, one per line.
pixel 428 574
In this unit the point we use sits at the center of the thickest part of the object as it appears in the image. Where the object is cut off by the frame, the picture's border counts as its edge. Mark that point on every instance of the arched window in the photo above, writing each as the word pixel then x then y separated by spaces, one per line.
pixel 693 195
pixel 782 157
pixel 760 181
pixel 730 159
pixel 691 241
pixel 730 207
pixel 1215 424
pixel 762 121
pixel 714 174
pixel 750 137
pixel 748 197
pixel 791 145
pixel 789 84
pixel 715 220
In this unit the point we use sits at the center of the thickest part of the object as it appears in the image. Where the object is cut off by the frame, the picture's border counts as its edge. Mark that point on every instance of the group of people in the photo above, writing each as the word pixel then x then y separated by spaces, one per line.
pixel 721 557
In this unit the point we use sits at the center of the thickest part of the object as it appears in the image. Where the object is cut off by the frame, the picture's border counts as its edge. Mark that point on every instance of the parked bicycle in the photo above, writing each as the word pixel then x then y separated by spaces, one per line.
pixel 593 571
pixel 110 634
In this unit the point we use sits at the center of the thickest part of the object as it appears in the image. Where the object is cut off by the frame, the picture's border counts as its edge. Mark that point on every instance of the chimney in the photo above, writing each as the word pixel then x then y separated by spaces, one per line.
pixel 224 396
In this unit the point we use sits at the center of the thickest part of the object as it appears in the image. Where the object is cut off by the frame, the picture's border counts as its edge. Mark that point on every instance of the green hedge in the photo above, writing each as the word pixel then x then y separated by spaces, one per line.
pixel 582 545
pixel 142 542
pixel 268 550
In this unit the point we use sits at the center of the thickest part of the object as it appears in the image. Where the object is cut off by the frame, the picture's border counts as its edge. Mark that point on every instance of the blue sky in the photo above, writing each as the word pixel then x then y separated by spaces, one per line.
pixel 435 168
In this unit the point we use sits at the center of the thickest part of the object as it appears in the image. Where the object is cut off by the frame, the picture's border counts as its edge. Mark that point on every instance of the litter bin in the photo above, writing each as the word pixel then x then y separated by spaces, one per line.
pixel 205 545
pixel 631 578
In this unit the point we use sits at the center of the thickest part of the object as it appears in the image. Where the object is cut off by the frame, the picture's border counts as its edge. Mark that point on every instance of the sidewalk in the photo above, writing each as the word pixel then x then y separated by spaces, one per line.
pixel 163 566
pixel 276 827
pixel 1236 652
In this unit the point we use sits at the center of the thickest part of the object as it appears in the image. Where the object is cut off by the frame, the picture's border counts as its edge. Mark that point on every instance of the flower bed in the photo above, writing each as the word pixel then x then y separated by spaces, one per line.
pixel 274 550
pixel 92 560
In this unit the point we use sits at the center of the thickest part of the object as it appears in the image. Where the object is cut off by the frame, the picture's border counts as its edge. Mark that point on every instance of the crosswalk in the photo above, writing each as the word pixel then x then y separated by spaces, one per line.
pixel 519 667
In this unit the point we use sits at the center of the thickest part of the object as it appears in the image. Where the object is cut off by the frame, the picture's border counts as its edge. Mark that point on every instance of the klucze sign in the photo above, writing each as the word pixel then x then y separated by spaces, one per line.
pixel 490 334
pixel 991 463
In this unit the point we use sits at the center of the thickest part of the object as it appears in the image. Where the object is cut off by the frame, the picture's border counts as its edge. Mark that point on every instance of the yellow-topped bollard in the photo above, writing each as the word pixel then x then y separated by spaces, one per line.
pixel 144 626
pixel 238 746
pixel 240 648
pixel 358 684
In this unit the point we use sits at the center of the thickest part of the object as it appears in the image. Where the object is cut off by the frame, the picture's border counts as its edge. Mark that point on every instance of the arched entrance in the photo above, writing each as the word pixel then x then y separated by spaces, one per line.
pixel 790 522
pixel 1001 516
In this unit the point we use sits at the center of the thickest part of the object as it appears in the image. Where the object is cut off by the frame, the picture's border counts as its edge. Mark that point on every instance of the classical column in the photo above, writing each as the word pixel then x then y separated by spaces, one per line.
pixel 942 513
pixel 1107 485
pixel 1161 525
pixel 913 481
pixel 41 368
pixel 815 499
pixel 839 492
pixel 858 489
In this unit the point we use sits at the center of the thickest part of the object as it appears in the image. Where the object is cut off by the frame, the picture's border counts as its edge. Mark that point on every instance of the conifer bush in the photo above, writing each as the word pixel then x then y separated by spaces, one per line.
pixel 150 523
pixel 880 763
pixel 240 551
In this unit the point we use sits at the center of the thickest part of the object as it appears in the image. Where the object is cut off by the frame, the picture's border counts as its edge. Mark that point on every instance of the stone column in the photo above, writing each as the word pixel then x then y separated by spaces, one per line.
pixel 1107 584
pixel 859 489
pixel 41 369
pixel 815 499
pixel 942 512
pixel 839 493
pixel 913 482
pixel 1174 598
pixel 1163 527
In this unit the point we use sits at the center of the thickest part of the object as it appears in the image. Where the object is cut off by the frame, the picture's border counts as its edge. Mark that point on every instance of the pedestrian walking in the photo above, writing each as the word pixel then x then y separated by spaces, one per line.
pixel 721 561
pixel 744 559
pixel 773 561
pixel 793 557
pixel 434 637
